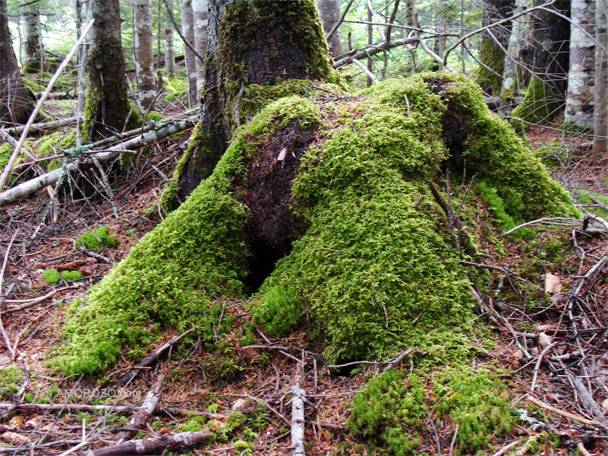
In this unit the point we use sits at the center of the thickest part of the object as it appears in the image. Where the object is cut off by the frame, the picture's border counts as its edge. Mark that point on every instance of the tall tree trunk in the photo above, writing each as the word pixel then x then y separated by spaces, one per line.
pixel 491 54
pixel 16 103
pixel 550 40
pixel 34 51
pixel 200 12
pixel 252 42
pixel 581 79
pixel 144 54
pixel 600 142
pixel 188 31
pixel 330 15
pixel 512 75
pixel 107 105
pixel 78 12
pixel 169 45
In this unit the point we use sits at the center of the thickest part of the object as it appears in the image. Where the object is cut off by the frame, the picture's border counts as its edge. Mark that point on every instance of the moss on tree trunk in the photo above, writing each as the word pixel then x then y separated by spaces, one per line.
pixel 252 42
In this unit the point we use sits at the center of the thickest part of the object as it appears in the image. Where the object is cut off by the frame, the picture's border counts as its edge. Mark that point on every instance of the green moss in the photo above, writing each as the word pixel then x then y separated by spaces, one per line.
pixel 377 272
pixel 493 57
pixel 51 276
pixel 71 275
pixel 10 379
pixel 6 150
pixel 280 311
pixel 97 239
pixel 392 411
pixel 540 105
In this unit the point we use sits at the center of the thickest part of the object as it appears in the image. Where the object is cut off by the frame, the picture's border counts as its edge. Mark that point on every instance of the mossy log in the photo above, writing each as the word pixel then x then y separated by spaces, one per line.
pixel 330 189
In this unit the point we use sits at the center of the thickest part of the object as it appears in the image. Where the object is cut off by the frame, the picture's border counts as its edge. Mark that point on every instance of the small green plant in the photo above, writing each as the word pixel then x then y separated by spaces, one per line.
pixel 97 239
pixel 51 276
pixel 280 311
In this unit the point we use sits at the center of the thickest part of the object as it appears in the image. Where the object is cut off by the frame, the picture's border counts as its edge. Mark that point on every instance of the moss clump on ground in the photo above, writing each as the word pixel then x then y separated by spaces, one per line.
pixel 390 415
pixel 10 379
pixel 6 150
pixel 97 239
pixel 53 277
pixel 541 104
pixel 376 272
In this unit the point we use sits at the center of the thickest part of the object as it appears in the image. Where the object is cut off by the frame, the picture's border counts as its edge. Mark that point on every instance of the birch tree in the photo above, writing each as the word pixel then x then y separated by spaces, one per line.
pixel 199 19
pixel 15 101
pixel 144 54
pixel 511 80
pixel 188 32
pixel 580 96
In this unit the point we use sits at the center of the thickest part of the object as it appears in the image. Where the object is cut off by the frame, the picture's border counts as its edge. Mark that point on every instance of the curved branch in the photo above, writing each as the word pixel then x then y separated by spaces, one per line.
pixel 370 51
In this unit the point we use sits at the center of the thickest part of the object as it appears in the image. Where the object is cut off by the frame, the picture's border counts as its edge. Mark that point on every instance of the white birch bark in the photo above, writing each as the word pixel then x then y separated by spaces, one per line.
pixel 200 10
pixel 330 15
pixel 511 83
pixel 600 142
pixel 188 32
pixel 144 55
pixel 169 44
pixel 580 96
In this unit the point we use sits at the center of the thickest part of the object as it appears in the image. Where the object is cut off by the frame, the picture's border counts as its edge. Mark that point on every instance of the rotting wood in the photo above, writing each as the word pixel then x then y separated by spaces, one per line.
pixel 27 188
pixel 182 442
pixel 147 409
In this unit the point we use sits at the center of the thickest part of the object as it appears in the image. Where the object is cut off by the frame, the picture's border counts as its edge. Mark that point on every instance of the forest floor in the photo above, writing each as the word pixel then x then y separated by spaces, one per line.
pixel 554 346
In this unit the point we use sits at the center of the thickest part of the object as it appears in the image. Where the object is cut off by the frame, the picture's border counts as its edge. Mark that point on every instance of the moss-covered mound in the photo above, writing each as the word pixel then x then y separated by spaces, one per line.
pixel 337 190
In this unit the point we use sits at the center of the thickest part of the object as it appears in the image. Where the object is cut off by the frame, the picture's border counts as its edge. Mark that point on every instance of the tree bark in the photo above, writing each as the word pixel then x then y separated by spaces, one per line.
pixel 200 12
pixel 144 54
pixel 169 44
pixel 34 51
pixel 550 41
pixel 580 96
pixel 107 105
pixel 600 142
pixel 188 31
pixel 512 75
pixel 330 15
pixel 251 42
pixel 16 104
pixel 493 42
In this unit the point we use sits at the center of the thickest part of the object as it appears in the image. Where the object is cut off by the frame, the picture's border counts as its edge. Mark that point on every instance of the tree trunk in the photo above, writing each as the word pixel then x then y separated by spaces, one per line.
pixel 34 51
pixel 16 104
pixel 512 75
pixel 169 46
pixel 144 54
pixel 600 142
pixel 251 42
pixel 330 15
pixel 200 12
pixel 550 40
pixel 493 42
pixel 107 106
pixel 188 31
pixel 580 96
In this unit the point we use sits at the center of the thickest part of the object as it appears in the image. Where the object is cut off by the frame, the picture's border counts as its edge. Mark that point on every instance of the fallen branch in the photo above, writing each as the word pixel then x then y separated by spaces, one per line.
pixel 12 161
pixel 147 361
pixel 146 410
pixel 565 222
pixel 126 409
pixel 27 188
pixel 569 415
pixel 163 444
pixel 370 51
pixel 297 419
